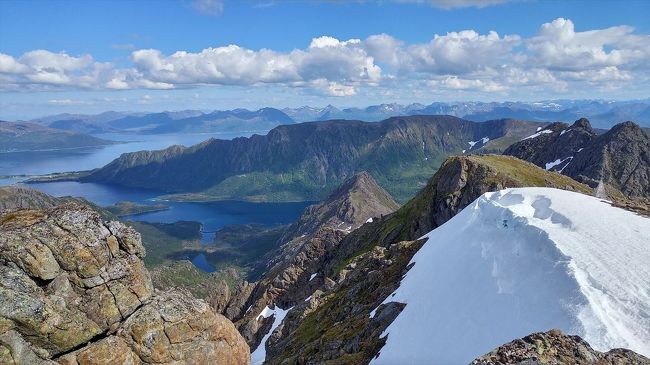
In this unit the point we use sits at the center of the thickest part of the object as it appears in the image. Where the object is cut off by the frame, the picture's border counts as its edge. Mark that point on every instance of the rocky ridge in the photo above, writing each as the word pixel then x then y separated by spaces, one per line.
pixel 295 270
pixel 74 290
pixel 619 157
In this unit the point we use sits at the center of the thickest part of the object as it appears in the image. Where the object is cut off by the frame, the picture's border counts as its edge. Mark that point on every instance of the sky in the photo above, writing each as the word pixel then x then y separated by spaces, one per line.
pixel 94 56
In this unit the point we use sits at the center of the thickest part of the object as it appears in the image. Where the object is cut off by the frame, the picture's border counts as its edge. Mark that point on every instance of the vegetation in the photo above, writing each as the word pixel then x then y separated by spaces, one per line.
pixel 124 208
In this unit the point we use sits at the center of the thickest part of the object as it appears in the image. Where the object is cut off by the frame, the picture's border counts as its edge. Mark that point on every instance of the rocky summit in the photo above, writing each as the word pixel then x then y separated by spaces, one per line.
pixel 74 290
pixel 619 158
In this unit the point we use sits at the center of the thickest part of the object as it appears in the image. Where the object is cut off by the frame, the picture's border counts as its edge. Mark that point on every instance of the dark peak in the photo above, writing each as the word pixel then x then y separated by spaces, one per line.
pixel 360 179
pixel 626 127
pixel 582 123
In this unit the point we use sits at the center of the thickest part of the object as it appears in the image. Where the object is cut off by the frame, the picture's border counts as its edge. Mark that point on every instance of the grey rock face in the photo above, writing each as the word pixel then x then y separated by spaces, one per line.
pixel 619 158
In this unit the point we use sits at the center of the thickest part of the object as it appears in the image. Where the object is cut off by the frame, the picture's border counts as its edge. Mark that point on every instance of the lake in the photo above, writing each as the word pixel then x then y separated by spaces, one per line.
pixel 212 215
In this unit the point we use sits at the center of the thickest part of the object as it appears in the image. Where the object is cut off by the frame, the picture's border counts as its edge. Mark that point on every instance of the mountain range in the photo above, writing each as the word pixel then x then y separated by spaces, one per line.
pixel 306 161
pixel 603 114
pixel 619 157
pixel 20 137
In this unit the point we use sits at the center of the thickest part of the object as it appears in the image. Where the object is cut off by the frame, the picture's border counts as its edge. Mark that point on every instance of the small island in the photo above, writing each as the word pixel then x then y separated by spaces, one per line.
pixel 125 208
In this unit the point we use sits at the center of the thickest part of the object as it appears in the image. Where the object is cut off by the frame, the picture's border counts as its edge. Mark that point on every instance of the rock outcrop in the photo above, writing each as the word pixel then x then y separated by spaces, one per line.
pixel 556 348
pixel 619 157
pixel 74 290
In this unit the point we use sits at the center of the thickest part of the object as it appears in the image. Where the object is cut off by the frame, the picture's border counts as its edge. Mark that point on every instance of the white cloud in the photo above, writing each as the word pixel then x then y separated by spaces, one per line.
pixel 68 102
pixel 455 83
pixel 557 59
pixel 559 47
pixel 208 7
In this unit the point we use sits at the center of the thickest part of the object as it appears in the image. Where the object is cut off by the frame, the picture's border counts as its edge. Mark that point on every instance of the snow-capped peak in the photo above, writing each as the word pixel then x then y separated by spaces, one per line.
pixel 520 261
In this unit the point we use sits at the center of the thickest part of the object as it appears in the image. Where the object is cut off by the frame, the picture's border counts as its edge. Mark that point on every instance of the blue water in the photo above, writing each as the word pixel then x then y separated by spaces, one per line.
pixel 212 216
pixel 201 262
pixel 47 162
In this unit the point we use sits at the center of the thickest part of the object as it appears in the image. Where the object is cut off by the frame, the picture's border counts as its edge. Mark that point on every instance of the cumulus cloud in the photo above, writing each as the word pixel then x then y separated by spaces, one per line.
pixel 559 47
pixel 558 58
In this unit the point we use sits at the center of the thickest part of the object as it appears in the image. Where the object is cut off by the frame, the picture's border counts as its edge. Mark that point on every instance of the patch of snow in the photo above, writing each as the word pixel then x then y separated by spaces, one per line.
pixel 520 261
pixel 249 308
pixel 545 131
pixel 538 129
pixel 369 220
pixel 308 298
pixel 552 164
pixel 570 158
pixel 563 131
pixel 374 311
pixel 580 149
pixel 312 276
pixel 483 140
pixel 463 151
pixel 259 355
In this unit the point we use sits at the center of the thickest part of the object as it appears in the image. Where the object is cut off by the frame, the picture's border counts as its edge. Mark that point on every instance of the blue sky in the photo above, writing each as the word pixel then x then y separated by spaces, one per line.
pixel 90 56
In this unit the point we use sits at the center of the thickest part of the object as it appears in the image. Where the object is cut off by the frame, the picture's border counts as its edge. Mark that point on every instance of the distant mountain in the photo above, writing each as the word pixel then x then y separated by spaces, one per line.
pixel 603 114
pixel 307 161
pixel 20 136
pixel 620 157
pixel 185 121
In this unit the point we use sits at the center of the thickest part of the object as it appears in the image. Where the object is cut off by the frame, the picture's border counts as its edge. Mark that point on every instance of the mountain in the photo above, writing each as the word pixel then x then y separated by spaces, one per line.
pixel 293 270
pixel 74 290
pixel 217 121
pixel 307 161
pixel 20 137
pixel 184 121
pixel 556 348
pixel 604 114
pixel 619 158
pixel 518 261
pixel 331 319
pixel 357 198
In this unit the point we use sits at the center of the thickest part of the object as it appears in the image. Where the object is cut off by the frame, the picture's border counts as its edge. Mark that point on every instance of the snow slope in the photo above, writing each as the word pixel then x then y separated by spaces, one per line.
pixel 520 261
